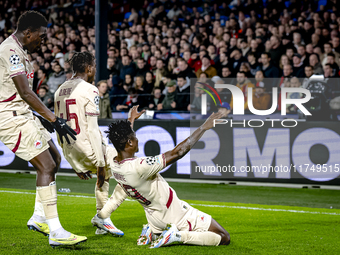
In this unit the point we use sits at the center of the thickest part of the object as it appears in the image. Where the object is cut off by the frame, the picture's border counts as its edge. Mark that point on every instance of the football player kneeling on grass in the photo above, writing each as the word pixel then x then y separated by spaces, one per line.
pixel 172 219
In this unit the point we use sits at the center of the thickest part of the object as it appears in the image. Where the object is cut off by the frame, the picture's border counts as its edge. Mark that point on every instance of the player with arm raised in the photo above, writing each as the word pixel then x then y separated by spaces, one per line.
pixel 23 133
pixel 77 101
pixel 140 180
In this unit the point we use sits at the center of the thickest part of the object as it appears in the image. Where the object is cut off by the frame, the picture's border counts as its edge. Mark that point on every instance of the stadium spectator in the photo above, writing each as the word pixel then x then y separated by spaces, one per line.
pixel 104 100
pixel 169 102
pixel 57 78
pixel 206 67
pixel 268 69
pixel 156 99
pixel 261 99
pixel 243 83
pixel 315 63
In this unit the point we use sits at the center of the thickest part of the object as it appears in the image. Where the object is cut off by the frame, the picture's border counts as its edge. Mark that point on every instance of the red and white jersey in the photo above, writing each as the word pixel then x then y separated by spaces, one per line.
pixel 13 62
pixel 141 181
pixel 74 100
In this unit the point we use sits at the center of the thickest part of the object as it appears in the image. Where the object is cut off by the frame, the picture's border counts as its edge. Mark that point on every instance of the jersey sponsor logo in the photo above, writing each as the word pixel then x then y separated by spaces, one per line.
pixel 38 144
pixel 30 76
pixel 96 100
pixel 150 160
pixel 14 59
pixel 16 67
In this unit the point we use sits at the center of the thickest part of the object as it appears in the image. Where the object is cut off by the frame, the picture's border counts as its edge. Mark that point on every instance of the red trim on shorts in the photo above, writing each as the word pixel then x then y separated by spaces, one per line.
pixel 171 196
pixel 10 99
pixel 190 228
pixel 18 143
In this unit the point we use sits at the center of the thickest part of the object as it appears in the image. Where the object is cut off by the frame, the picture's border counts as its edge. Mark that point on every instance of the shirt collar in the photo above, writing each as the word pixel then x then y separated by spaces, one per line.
pixel 17 41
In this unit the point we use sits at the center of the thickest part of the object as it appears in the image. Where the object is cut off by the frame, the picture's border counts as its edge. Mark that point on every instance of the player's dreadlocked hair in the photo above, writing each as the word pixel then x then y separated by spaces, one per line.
pixel 80 61
pixel 119 133
pixel 31 20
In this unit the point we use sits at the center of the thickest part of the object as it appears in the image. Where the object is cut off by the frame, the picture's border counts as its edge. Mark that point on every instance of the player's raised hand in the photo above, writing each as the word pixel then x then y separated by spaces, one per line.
pixel 63 130
pixel 134 114
pixel 214 118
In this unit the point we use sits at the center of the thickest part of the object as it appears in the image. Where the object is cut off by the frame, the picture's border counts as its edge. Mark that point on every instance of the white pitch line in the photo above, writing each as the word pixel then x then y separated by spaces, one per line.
pixel 204 205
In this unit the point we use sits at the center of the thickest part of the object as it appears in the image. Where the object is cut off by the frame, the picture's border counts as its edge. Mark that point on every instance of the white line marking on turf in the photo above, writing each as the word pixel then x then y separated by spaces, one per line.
pixel 204 205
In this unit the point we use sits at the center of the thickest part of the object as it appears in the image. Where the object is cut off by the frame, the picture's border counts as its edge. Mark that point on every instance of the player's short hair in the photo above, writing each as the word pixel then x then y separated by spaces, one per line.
pixel 119 133
pixel 31 20
pixel 80 61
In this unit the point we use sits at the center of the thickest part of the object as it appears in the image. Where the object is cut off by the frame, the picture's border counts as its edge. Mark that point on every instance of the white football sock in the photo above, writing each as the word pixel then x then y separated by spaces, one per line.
pixel 38 207
pixel 48 196
pixel 102 195
pixel 207 238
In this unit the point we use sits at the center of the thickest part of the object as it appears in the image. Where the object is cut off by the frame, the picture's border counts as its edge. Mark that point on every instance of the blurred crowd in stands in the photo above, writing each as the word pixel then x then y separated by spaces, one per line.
pixel 157 47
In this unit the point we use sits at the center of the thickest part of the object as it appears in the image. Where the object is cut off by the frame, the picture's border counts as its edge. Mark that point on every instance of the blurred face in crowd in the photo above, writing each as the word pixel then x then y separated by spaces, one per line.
pixel 327 71
pixel 295 83
pixel 157 93
pixel 330 60
pixel 102 88
pixel 313 60
pixel 241 78
pixel 182 65
pixel 140 63
pixel 259 76
pixel 264 59
pixel 308 71
pixel 205 62
pixel 153 61
pixel 110 63
pixel 301 50
pixel 181 82
pixel 126 60
pixel 296 60
pixel 171 89
pixel 327 48
pixel 225 72
pixel 159 64
pixel 287 70
pixel 290 53
pixel 148 77
pixel 128 79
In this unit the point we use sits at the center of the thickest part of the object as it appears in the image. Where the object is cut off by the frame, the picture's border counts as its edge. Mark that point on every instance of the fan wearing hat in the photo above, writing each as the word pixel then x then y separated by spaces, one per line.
pixel 206 67
pixel 261 99
pixel 169 102
pixel 298 67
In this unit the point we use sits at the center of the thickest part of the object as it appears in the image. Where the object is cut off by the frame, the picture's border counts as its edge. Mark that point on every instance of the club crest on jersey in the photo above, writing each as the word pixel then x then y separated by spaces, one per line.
pixel 96 100
pixel 38 144
pixel 14 59
pixel 150 160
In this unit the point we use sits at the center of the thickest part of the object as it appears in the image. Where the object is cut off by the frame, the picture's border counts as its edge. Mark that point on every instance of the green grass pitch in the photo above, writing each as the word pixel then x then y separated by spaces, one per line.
pixel 260 220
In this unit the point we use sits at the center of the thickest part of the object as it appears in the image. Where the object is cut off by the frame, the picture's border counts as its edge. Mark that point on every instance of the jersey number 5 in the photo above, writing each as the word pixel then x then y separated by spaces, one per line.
pixel 69 115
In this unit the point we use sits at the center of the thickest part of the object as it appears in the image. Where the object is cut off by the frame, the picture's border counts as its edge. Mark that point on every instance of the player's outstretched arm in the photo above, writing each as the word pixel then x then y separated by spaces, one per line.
pixel 184 147
pixel 21 84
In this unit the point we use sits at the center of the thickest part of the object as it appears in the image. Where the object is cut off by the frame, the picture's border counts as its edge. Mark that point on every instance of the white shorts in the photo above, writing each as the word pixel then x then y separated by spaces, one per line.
pixel 25 136
pixel 183 215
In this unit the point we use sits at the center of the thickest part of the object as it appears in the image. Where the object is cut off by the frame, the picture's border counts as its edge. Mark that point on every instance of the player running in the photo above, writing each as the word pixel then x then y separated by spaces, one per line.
pixel 140 180
pixel 77 101
pixel 23 133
